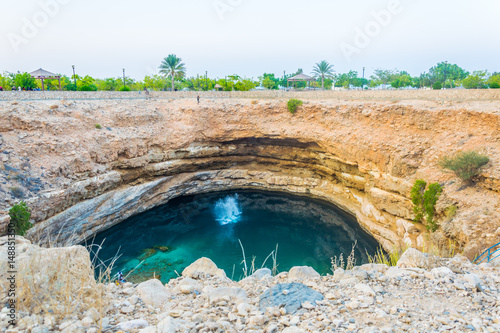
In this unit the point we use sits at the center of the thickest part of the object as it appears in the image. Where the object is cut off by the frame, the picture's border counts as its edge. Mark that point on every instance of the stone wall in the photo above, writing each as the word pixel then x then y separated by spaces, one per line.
pixel 445 95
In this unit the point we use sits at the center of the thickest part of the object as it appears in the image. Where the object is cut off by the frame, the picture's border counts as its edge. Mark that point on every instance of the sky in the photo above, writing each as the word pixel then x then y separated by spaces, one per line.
pixel 247 37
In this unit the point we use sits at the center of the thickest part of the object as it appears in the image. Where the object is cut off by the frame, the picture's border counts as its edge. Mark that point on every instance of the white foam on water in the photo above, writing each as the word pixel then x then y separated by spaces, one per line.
pixel 227 210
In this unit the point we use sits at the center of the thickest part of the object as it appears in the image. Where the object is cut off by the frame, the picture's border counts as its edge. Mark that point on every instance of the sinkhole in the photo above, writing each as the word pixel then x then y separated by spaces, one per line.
pixel 300 230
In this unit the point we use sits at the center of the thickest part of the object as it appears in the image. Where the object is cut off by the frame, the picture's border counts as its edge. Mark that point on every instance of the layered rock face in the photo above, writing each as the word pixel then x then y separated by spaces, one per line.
pixel 361 156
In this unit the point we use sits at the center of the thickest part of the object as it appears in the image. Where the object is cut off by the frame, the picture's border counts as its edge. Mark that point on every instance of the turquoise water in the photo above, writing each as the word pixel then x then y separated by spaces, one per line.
pixel 168 238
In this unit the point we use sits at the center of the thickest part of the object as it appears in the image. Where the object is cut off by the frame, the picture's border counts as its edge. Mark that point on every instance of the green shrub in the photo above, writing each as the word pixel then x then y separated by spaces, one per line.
pixel 437 86
pixel 98 126
pixel 494 85
pixel 20 216
pixel 124 88
pixel 293 104
pixel 424 202
pixel 466 165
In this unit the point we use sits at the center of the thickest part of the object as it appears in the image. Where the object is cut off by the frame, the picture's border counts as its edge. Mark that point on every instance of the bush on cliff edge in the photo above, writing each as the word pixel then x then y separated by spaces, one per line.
pixel 293 104
pixel 466 165
pixel 20 216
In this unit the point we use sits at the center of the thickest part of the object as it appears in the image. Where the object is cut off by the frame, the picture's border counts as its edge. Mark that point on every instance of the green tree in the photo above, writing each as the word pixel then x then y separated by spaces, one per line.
pixel 383 76
pixel 25 81
pixel 173 67
pixel 20 216
pixel 494 81
pixel 346 79
pixel 447 73
pixel 87 83
pixel 324 71
pixel 7 80
pixel 269 81
pixel 437 85
pixel 424 202
pixel 476 80
pixel 401 81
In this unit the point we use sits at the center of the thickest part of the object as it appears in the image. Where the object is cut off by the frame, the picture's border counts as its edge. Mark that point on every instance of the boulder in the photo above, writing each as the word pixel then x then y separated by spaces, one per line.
pixel 261 273
pixel 50 273
pixel 203 268
pixel 414 258
pixel 152 292
pixel 301 273
pixel 288 295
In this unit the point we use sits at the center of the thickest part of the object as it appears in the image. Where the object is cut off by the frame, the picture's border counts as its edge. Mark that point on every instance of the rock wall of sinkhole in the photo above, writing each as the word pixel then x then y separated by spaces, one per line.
pixel 362 156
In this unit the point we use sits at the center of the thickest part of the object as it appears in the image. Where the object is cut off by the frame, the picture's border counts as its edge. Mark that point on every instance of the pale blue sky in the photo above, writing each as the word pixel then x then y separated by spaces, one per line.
pixel 247 37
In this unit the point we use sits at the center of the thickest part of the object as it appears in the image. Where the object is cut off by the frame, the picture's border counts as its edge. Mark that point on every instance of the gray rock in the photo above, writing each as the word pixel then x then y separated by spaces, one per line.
pixel 289 295
pixel 261 273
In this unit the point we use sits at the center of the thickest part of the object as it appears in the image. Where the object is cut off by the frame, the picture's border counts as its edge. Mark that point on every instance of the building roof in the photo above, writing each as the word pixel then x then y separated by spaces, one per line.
pixel 301 77
pixel 39 73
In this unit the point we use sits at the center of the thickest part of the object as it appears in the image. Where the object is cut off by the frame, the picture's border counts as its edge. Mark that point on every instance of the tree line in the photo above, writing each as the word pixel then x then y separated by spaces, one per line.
pixel 172 76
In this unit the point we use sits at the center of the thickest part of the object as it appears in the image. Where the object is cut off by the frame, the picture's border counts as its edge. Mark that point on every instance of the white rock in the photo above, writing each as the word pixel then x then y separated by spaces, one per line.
pixel 294 321
pixel 414 258
pixel 302 272
pixel 473 279
pixel 440 272
pixel 127 309
pixel 152 292
pixel 235 294
pixel 186 289
pixel 87 322
pixel 353 305
pixel 307 305
pixel 203 268
pixel 258 320
pixel 243 309
pixel 365 289
pixel 293 329
pixel 132 325
pixel 167 325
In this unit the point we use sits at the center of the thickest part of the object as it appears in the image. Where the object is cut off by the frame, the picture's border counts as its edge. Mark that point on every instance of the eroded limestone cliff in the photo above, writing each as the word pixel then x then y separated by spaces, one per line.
pixel 362 156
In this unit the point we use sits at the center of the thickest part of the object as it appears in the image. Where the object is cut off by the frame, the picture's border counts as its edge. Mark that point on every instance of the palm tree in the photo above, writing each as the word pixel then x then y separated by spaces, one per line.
pixel 323 70
pixel 173 67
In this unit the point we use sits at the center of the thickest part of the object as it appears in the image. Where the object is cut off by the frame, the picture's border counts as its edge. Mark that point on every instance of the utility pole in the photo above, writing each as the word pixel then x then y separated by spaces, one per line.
pixel 206 79
pixel 124 77
pixel 74 76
